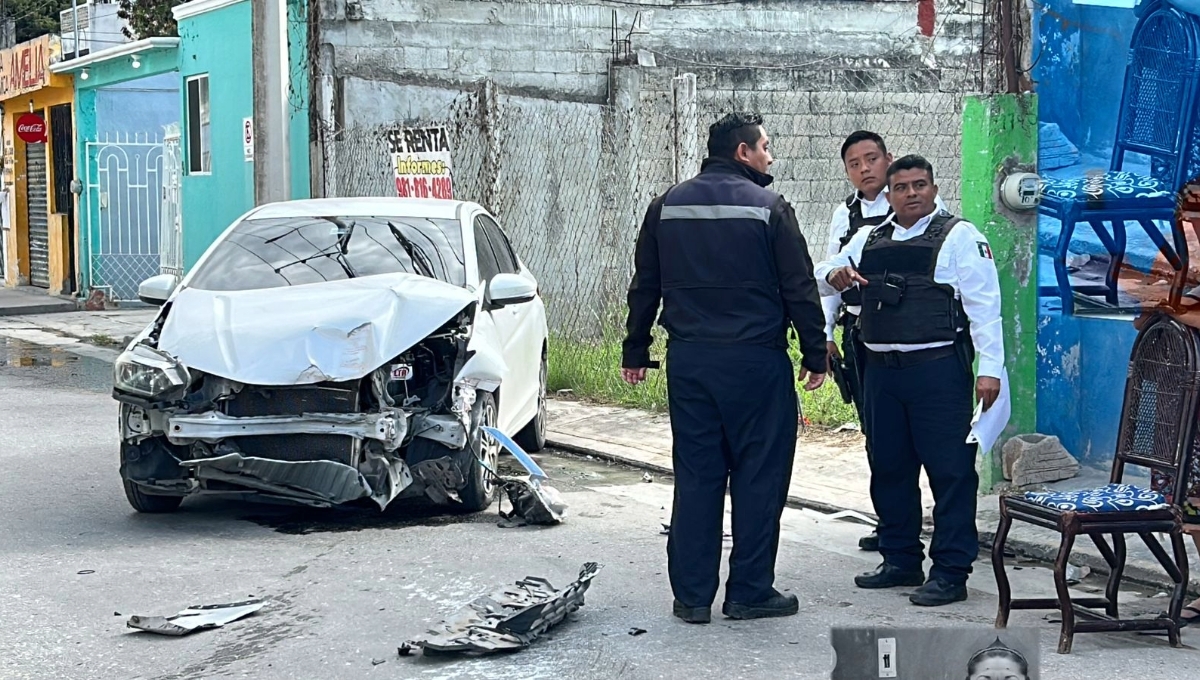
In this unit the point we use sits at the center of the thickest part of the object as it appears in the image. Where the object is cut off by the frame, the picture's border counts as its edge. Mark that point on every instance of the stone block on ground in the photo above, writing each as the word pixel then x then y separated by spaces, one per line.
pixel 1031 459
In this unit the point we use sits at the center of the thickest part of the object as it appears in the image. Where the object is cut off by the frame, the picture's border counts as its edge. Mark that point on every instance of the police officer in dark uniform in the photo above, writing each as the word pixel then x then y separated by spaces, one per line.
pixel 726 258
pixel 866 159
pixel 930 300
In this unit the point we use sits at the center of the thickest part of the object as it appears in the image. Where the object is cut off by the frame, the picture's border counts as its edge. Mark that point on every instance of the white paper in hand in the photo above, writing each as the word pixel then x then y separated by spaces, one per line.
pixel 986 426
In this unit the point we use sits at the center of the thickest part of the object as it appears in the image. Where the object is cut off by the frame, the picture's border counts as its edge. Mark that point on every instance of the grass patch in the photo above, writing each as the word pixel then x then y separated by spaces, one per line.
pixel 102 340
pixel 592 370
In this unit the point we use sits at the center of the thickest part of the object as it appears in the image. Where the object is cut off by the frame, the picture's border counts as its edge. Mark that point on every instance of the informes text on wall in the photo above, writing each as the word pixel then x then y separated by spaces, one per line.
pixel 421 159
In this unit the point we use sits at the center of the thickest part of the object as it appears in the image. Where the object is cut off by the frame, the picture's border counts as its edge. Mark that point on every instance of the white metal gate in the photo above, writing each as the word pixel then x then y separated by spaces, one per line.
pixel 170 239
pixel 124 211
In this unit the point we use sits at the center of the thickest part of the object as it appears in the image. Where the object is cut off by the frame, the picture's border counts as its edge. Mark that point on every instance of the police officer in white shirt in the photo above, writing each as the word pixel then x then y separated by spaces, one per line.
pixel 866 160
pixel 930 301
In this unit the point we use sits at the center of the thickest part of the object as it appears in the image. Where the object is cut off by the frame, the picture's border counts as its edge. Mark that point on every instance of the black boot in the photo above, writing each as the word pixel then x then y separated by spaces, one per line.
pixel 776 605
pixel 889 576
pixel 938 592
pixel 870 542
pixel 692 614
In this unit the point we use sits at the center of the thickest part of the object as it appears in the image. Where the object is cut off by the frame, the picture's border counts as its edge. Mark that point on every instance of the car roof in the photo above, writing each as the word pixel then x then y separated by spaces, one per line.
pixel 433 208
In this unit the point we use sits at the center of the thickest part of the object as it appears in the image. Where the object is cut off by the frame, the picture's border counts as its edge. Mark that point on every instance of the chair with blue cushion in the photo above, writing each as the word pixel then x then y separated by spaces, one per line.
pixel 1158 428
pixel 1157 118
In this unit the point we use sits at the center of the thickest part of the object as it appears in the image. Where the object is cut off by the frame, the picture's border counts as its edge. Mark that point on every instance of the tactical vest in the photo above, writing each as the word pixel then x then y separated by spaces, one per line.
pixel 902 303
pixel 853 296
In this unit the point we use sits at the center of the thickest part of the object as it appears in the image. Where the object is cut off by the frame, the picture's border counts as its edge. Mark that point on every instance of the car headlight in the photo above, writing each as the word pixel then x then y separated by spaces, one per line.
pixel 148 372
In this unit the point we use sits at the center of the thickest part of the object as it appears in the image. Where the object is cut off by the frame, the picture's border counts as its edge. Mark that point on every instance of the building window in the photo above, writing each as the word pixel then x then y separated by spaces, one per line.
pixel 199 133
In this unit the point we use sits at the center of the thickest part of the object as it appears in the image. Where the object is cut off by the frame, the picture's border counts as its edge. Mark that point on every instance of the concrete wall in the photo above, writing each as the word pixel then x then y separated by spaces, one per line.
pixel 408 59
pixel 561 50
pixel 217 43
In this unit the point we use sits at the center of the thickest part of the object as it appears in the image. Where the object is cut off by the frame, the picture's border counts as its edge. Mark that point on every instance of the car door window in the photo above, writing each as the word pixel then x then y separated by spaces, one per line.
pixel 500 246
pixel 488 267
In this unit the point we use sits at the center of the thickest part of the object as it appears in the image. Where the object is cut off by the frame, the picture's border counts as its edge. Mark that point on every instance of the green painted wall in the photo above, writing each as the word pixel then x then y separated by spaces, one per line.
pixel 217 43
pixel 1000 132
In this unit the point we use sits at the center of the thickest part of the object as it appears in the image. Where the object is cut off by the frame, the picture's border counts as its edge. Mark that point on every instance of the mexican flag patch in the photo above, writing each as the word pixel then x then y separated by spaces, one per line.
pixel 984 249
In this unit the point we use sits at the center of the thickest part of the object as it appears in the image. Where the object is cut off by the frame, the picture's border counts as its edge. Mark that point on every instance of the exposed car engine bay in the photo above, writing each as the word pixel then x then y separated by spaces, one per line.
pixel 410 427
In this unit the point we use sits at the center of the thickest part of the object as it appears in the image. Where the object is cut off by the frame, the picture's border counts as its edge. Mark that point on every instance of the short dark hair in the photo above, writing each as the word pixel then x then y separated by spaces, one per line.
pixel 910 162
pixel 727 134
pixel 862 136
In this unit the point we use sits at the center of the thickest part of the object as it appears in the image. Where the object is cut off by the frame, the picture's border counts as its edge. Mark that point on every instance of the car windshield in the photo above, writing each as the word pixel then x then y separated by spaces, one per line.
pixel 291 251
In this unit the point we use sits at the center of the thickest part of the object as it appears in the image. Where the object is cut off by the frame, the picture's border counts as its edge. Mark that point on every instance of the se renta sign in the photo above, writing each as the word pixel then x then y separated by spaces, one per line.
pixel 31 128
pixel 421 162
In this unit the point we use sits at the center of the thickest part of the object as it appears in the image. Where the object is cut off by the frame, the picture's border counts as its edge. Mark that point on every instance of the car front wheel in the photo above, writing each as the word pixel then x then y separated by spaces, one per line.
pixel 482 450
pixel 149 503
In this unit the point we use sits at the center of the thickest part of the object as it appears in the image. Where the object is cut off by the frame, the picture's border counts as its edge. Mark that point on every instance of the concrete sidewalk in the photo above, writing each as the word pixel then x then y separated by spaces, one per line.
pixel 830 472
pixel 23 300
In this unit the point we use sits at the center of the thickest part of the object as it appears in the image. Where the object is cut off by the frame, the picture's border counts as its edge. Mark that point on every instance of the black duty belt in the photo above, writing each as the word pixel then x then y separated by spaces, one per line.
pixel 908 359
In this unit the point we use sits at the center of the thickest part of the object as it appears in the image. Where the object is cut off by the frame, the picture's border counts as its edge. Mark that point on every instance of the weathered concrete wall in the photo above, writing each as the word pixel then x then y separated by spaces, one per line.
pixel 562 50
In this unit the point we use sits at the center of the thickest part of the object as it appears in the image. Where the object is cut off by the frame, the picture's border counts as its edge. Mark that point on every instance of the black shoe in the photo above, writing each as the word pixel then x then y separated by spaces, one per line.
pixel 870 542
pixel 776 605
pixel 692 614
pixel 938 592
pixel 889 576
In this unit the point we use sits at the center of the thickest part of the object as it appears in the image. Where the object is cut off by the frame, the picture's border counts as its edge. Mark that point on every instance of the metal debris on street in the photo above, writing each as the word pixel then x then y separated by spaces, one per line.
pixel 509 619
pixel 200 617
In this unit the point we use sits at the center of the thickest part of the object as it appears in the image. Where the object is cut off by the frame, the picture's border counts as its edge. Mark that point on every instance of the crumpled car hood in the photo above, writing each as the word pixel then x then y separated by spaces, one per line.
pixel 296 335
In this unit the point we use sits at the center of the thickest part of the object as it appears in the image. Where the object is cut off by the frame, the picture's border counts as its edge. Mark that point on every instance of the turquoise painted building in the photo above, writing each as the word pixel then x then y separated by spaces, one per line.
pixel 216 69
pixel 161 123
pixel 126 98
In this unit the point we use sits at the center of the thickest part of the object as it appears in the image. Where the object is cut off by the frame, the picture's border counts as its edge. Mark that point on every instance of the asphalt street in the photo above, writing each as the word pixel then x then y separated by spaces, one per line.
pixel 346 588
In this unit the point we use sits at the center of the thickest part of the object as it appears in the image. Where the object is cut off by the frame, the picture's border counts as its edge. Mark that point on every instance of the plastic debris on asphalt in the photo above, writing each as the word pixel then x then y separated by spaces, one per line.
pixel 508 619
pixel 192 619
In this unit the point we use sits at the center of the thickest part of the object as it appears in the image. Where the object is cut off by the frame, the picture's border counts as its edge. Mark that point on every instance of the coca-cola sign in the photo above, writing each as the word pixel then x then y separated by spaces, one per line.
pixel 31 128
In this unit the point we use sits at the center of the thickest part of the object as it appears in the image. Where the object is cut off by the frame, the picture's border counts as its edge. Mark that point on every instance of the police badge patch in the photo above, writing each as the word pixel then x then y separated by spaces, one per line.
pixel 984 249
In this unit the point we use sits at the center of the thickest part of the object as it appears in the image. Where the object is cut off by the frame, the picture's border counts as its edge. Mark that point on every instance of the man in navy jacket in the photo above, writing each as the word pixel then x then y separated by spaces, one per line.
pixel 726 259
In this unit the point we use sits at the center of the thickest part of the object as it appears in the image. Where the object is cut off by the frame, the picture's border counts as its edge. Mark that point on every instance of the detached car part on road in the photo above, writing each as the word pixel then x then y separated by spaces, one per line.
pixel 332 350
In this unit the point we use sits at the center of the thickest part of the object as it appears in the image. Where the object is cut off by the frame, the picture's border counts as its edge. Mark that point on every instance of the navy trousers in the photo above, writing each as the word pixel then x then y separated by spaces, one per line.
pixel 854 356
pixel 733 421
pixel 920 416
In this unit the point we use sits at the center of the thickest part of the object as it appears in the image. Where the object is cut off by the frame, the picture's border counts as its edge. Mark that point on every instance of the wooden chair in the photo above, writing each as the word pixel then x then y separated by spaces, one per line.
pixel 1158 424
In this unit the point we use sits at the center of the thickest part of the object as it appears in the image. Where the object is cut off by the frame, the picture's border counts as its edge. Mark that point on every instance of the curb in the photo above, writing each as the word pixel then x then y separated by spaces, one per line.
pixel 1015 548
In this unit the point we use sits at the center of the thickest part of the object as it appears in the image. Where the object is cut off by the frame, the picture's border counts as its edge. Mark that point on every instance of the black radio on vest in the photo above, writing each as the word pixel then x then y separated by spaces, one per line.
pixel 852 297
pixel 902 303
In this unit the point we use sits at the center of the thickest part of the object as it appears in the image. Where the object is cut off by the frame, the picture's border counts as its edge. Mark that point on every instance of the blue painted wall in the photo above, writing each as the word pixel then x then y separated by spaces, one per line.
pixel 1081 55
pixel 140 106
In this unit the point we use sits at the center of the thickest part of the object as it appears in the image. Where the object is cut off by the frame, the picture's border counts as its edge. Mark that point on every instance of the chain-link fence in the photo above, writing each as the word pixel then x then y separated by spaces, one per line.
pixel 570 182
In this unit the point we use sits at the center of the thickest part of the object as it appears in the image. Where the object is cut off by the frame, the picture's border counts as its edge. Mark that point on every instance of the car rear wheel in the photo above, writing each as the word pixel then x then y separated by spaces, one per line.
pixel 532 437
pixel 149 503
pixel 480 488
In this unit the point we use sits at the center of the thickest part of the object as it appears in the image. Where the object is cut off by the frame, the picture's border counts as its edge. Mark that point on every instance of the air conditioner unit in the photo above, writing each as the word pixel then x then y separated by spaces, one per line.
pixel 99 28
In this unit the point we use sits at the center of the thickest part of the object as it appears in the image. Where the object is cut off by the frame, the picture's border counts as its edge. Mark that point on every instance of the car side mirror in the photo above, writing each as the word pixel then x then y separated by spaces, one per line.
pixel 157 289
pixel 509 289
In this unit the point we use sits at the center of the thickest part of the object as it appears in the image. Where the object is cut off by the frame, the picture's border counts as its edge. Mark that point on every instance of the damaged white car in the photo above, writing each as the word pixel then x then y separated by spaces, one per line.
pixel 328 351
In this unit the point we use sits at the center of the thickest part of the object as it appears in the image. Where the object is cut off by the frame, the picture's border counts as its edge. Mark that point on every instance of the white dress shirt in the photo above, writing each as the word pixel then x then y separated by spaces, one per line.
pixel 838 226
pixel 964 263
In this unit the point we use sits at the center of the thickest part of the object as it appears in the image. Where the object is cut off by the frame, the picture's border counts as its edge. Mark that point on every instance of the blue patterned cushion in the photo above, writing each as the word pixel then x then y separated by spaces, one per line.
pixel 1109 498
pixel 1114 184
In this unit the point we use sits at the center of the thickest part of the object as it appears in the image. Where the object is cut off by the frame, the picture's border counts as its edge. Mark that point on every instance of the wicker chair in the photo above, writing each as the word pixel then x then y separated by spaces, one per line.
pixel 1158 424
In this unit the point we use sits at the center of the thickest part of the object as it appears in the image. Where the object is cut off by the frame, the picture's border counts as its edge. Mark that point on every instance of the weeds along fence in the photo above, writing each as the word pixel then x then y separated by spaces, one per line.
pixel 570 183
